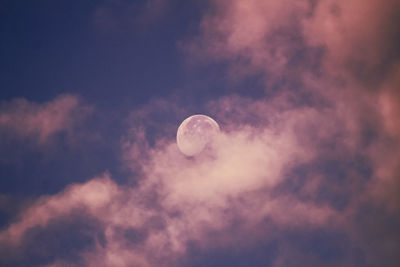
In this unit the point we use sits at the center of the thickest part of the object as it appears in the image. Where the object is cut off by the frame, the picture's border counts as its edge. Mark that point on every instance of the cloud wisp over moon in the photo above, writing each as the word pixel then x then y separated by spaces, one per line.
pixel 305 175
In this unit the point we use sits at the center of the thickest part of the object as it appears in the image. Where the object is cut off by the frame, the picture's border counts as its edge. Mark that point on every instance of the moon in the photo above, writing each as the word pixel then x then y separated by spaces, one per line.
pixel 195 133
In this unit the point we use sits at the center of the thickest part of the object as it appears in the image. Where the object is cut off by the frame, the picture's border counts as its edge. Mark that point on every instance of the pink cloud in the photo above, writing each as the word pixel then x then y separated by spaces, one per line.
pixel 352 32
pixel 355 42
pixel 193 196
pixel 345 57
pixel 285 38
pixel 384 153
pixel 256 36
pixel 180 200
pixel 92 196
pixel 42 121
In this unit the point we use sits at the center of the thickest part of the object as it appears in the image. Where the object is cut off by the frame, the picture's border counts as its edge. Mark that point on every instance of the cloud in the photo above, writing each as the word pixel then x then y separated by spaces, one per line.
pixel 332 55
pixel 92 195
pixel 180 200
pixel 354 34
pixel 254 36
pixel 286 39
pixel 282 172
pixel 41 122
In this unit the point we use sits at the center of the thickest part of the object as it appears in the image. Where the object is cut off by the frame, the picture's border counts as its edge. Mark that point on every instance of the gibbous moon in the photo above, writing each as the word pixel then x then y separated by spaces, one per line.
pixel 195 133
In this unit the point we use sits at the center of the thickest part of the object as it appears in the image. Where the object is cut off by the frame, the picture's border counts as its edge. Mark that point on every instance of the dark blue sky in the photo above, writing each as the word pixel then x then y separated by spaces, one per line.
pixel 59 47
pixel 50 48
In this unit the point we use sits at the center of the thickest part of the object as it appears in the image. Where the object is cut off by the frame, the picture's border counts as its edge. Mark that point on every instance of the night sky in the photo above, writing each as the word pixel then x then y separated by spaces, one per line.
pixel 304 172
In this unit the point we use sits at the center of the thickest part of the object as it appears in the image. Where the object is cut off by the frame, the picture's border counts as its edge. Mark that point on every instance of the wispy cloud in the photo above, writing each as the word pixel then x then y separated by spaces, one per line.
pixel 40 122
